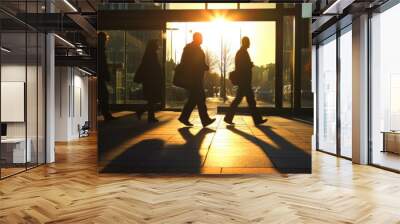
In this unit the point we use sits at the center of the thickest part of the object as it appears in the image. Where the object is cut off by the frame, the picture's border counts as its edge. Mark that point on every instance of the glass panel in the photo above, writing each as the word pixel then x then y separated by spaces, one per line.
pixel 327 96
pixel 32 90
pixel 257 5
pixel 220 50
pixel 289 5
pixel 41 98
pixel 13 80
pixel 124 52
pixel 185 6
pixel 31 98
pixel 129 6
pixel 136 42
pixel 115 53
pixel 306 92
pixel 346 94
pixel 385 84
pixel 222 5
pixel 288 60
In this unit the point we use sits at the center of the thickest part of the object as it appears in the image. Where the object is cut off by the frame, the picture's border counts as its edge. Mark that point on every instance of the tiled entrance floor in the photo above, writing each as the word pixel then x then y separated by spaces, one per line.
pixel 281 145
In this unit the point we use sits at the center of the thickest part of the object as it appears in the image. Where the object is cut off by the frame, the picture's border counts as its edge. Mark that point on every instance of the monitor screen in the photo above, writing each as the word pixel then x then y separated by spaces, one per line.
pixel 3 129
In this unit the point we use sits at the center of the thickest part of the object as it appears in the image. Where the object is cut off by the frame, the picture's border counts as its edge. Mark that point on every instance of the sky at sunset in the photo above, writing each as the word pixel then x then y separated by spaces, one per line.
pixel 224 33
pixel 221 31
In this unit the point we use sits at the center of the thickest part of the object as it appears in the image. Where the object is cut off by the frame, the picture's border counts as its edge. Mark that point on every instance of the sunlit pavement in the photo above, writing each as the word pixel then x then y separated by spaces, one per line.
pixel 280 145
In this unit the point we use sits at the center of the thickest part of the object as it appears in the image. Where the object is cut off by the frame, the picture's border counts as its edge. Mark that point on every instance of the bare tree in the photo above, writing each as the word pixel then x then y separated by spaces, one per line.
pixel 210 82
pixel 226 63
pixel 211 59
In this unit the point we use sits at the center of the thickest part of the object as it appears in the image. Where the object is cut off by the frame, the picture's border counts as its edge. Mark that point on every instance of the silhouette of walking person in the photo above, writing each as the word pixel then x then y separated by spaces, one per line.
pixel 150 73
pixel 243 66
pixel 193 61
pixel 103 76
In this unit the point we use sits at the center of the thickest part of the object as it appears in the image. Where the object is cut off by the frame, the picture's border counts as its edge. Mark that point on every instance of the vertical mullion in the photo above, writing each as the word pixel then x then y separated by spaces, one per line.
pixel 317 96
pixel 164 58
pixel 125 69
pixel 338 95
pixel 0 92
pixel 296 80
pixel 37 90
pixel 278 61
pixel 26 87
pixel 369 100
pixel 45 89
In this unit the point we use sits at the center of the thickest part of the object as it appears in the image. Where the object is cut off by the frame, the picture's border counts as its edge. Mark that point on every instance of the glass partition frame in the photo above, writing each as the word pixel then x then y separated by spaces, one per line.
pixel 341 127
pixel 26 54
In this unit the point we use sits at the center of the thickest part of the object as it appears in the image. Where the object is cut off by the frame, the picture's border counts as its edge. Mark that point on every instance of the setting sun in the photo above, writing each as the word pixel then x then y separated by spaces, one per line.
pixel 221 33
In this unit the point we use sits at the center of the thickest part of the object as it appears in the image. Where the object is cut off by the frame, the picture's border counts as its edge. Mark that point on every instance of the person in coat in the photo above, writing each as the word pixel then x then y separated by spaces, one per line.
pixel 243 67
pixel 150 75
pixel 194 66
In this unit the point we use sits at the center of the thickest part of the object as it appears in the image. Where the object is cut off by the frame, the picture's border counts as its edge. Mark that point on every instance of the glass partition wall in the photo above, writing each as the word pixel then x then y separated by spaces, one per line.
pixel 385 89
pixel 22 87
pixel 334 94
pixel 327 95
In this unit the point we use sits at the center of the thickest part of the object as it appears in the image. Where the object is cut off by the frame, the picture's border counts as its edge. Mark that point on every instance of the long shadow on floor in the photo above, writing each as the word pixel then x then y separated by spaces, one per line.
pixel 112 134
pixel 287 157
pixel 154 156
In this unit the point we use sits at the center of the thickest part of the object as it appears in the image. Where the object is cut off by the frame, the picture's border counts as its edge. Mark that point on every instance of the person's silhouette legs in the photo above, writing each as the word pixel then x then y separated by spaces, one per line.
pixel 196 98
pixel 202 108
pixel 244 91
pixel 235 103
pixel 151 112
pixel 257 118
pixel 187 109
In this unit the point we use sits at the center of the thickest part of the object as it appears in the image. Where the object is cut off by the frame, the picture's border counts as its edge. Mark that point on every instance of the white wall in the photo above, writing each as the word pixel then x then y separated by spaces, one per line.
pixel 12 73
pixel 71 102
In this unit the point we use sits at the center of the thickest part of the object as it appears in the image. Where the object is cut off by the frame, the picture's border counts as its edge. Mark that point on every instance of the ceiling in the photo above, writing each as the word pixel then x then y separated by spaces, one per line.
pixel 76 20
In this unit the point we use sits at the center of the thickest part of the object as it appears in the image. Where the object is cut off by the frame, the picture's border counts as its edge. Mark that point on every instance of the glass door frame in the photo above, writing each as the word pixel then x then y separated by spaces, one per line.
pixel 324 37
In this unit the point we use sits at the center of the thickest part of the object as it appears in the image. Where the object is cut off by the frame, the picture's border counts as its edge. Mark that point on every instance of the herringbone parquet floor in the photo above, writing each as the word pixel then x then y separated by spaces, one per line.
pixel 71 191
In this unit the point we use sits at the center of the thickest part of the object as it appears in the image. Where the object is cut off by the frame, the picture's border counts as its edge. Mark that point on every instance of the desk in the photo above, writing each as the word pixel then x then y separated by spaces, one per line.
pixel 391 141
pixel 13 150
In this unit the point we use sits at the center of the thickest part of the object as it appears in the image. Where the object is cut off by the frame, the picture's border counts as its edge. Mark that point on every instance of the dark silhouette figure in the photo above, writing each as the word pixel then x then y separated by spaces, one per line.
pixel 103 76
pixel 243 66
pixel 193 61
pixel 150 75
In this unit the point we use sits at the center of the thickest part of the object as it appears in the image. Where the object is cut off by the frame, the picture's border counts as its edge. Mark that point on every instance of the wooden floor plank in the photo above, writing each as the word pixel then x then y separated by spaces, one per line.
pixel 71 191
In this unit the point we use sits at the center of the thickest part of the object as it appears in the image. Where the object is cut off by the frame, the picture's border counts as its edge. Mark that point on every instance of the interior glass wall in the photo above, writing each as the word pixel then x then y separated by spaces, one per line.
pixel 124 52
pixel 22 94
pixel 385 89
pixel 346 93
pixel 288 60
pixel 307 99
pixel 327 95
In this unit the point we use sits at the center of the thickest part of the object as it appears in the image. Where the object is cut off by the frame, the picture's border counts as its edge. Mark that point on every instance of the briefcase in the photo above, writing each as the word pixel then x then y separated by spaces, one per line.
pixel 234 77
pixel 180 79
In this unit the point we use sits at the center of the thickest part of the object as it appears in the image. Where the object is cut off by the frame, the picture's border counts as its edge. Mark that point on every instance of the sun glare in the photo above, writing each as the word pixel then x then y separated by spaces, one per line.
pixel 219 19
pixel 221 33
